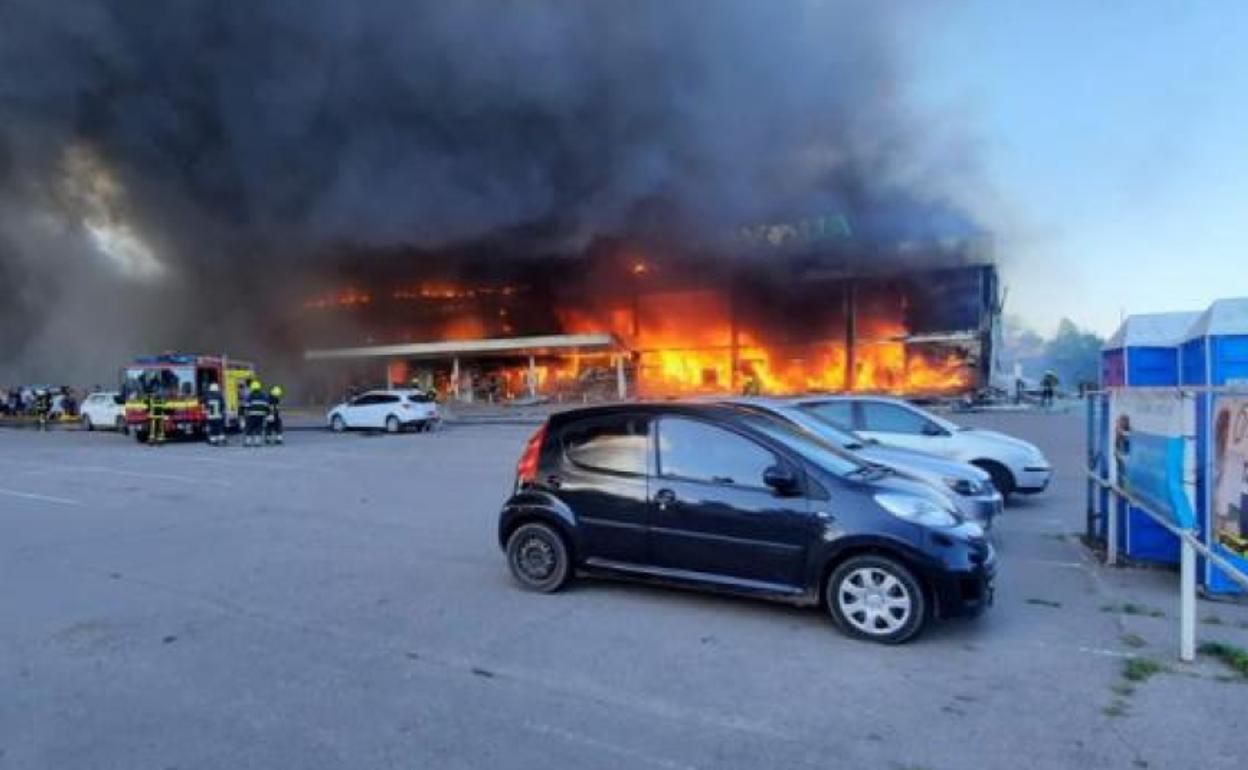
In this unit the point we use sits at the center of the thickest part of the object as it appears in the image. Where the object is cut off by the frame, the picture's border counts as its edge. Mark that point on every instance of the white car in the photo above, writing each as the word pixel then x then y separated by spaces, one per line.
pixel 102 411
pixel 388 410
pixel 1014 465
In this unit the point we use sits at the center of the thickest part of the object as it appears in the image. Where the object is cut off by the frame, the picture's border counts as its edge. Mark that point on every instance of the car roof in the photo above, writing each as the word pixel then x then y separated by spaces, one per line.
pixel 651 408
pixel 850 397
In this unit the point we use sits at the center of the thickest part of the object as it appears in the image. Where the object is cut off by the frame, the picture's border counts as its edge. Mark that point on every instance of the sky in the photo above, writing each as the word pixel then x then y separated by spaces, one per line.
pixel 1112 139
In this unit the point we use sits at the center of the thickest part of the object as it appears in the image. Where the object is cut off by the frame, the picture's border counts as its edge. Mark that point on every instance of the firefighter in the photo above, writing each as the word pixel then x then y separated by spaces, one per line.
pixel 1048 385
pixel 257 411
pixel 214 409
pixel 43 407
pixel 155 415
pixel 273 426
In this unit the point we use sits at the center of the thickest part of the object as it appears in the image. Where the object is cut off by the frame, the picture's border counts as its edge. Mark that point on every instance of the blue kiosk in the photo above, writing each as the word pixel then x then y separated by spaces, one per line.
pixel 1143 353
pixel 1214 353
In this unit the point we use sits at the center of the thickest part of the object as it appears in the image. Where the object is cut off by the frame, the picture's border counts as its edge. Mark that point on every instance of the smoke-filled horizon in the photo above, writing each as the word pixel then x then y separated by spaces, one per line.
pixel 169 171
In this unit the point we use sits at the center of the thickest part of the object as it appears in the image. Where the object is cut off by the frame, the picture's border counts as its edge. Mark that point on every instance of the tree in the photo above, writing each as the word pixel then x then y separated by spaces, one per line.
pixel 1074 354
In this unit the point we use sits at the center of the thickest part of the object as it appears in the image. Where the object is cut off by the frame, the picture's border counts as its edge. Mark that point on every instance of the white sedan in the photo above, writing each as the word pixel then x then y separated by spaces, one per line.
pixel 1014 465
pixel 103 411
pixel 388 410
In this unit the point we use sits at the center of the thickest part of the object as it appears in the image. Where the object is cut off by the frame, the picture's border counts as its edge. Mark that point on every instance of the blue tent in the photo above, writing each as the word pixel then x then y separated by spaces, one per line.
pixel 1215 353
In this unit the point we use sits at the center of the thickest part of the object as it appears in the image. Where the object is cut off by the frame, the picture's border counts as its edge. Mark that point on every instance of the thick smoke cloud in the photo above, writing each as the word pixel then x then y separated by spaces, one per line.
pixel 242 140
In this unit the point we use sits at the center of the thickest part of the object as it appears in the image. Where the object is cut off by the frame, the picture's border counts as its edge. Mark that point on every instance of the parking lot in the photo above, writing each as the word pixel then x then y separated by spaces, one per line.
pixel 341 602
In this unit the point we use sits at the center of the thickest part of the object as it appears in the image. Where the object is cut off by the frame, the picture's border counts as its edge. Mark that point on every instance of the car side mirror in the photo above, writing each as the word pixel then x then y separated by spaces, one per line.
pixel 119 400
pixel 781 479
pixel 932 429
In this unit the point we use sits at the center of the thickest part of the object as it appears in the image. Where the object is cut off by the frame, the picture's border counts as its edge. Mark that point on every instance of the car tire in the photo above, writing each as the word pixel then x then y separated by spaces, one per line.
pixel 538 558
pixel 86 422
pixel 392 424
pixel 876 598
pixel 120 424
pixel 140 436
pixel 1002 479
pixel 337 424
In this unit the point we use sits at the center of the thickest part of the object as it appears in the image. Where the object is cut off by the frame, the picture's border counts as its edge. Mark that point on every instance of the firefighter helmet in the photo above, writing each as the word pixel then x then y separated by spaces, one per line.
pixel 255 386
pixel 214 388
pixel 276 391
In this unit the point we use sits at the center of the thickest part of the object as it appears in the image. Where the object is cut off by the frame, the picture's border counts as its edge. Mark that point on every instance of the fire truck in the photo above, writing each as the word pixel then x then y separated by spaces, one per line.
pixel 179 381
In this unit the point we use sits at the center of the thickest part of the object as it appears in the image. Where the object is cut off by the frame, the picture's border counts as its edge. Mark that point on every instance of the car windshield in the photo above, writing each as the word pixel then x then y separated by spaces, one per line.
pixel 162 381
pixel 826 429
pixel 948 425
pixel 812 447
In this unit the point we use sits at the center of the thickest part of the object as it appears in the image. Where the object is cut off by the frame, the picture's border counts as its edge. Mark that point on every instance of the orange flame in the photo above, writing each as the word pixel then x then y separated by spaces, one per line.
pixel 684 343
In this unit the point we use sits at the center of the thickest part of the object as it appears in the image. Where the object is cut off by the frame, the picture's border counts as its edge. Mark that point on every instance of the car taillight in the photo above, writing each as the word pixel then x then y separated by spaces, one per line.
pixel 526 469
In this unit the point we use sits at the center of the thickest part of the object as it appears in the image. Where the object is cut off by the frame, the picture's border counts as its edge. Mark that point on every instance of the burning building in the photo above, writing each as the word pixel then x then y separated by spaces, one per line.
pixel 333 161
pixel 625 320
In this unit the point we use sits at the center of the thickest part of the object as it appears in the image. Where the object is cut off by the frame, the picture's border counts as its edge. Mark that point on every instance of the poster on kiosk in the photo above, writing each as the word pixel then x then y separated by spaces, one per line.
pixel 1150 460
pixel 1228 520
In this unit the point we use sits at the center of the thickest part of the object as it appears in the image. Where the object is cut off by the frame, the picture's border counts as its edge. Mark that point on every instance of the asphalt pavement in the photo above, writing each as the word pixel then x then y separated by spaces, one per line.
pixel 341 602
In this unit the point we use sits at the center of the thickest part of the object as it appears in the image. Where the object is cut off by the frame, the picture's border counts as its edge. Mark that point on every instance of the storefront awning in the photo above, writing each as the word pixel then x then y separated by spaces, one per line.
pixel 538 345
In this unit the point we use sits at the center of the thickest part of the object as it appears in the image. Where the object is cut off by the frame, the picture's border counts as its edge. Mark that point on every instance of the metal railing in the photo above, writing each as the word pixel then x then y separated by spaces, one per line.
pixel 1189 546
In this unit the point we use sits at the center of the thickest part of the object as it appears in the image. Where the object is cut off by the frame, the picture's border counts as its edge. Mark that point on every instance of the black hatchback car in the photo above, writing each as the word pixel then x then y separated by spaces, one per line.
pixel 713 496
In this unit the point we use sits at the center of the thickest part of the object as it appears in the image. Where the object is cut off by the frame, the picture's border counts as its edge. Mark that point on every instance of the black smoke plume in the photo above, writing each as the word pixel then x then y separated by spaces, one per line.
pixel 169 171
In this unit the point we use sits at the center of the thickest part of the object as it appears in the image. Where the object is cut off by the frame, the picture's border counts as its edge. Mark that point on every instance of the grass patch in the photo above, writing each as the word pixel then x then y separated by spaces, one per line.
pixel 1116 709
pixel 1134 641
pixel 1141 669
pixel 1235 657
pixel 1131 608
pixel 1044 603
pixel 1123 689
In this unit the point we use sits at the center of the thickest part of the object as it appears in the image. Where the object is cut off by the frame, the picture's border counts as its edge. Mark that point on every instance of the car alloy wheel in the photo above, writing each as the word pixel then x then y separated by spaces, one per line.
pixel 538 558
pixel 876 598
pixel 337 425
pixel 121 424
pixel 392 424
pixel 86 423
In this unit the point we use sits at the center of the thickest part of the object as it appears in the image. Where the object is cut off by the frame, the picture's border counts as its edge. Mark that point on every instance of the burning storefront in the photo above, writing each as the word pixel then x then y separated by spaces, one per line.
pixel 621 320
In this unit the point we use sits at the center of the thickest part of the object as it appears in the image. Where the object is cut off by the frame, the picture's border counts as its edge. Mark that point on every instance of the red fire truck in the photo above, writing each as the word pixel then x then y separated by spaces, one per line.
pixel 179 381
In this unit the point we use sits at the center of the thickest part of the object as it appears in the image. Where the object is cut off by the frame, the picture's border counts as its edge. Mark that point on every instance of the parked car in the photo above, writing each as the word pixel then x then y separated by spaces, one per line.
pixel 1014 465
pixel 103 410
pixel 969 488
pixel 388 410
pixel 712 496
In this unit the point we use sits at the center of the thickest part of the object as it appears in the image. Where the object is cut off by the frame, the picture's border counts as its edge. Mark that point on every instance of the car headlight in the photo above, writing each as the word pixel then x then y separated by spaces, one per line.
pixel 966 487
pixel 919 510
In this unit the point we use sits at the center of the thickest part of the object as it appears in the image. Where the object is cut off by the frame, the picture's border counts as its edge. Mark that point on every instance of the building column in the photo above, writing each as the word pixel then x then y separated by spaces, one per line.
pixel 621 385
pixel 851 336
pixel 455 377
pixel 532 377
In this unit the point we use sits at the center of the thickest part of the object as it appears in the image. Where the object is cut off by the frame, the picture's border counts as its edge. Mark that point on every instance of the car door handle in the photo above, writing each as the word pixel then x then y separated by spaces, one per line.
pixel 553 481
pixel 664 497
